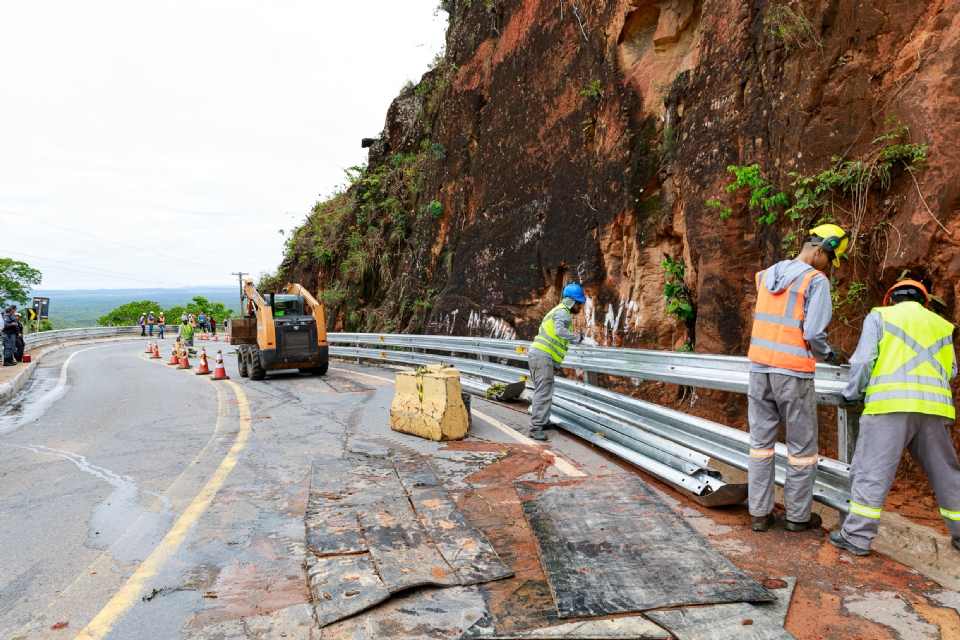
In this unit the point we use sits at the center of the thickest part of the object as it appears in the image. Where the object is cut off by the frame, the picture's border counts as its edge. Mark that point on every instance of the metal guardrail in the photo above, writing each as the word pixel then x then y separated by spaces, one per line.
pixel 47 337
pixel 664 441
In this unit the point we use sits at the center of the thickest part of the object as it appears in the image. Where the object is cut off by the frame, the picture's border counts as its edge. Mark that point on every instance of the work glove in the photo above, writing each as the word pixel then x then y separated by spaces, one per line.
pixel 855 406
pixel 838 356
pixel 588 342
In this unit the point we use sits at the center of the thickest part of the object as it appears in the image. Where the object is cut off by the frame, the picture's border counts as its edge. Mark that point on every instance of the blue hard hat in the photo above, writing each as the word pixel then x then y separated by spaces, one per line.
pixel 574 291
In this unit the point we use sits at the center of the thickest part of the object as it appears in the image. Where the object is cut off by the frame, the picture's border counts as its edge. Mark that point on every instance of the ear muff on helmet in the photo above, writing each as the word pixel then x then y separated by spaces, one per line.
pixel 832 240
pixel 903 284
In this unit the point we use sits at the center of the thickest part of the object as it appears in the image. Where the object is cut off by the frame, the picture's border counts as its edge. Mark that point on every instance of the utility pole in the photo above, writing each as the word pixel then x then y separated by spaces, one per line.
pixel 240 275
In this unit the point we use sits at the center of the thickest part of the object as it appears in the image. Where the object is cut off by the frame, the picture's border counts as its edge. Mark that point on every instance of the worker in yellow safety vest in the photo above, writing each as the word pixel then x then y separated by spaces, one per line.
pixel 789 336
pixel 901 370
pixel 547 353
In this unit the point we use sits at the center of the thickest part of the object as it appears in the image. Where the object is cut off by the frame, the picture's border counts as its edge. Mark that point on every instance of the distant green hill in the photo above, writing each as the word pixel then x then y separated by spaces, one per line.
pixel 81 307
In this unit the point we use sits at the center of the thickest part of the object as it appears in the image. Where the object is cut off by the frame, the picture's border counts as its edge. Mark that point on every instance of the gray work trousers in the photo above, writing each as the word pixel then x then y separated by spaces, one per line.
pixel 541 372
pixel 879 449
pixel 9 347
pixel 774 398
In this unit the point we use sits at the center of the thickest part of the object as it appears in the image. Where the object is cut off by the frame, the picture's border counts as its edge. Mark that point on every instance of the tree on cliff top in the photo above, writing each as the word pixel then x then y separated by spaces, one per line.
pixel 128 314
pixel 16 279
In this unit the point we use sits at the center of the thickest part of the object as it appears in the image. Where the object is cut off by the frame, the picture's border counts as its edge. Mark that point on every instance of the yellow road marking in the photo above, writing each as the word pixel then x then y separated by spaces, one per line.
pixel 136 586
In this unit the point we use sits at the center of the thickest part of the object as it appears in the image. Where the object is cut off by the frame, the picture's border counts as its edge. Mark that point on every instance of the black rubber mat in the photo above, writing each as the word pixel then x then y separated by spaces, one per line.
pixel 741 621
pixel 610 545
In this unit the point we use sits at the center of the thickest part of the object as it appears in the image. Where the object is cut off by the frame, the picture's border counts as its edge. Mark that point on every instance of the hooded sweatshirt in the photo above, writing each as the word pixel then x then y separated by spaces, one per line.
pixel 817 311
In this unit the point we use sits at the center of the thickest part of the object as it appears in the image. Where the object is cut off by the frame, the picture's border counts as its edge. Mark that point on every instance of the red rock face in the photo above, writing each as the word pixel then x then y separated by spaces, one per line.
pixel 544 182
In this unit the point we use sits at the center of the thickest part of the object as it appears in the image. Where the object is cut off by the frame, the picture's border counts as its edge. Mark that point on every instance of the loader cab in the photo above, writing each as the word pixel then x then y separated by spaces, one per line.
pixel 285 305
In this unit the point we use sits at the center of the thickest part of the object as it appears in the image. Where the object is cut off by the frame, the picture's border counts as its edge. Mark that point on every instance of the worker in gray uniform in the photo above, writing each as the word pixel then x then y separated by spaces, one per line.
pixel 8 331
pixel 547 353
pixel 789 336
pixel 901 370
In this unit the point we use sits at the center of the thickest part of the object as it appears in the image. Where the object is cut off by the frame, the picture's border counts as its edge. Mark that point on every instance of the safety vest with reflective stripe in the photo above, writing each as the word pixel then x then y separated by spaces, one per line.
pixel 777 339
pixel 547 339
pixel 186 331
pixel 913 368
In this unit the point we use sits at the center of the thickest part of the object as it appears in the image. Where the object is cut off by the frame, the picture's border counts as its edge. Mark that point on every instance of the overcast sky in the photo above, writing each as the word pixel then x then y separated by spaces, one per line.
pixel 192 130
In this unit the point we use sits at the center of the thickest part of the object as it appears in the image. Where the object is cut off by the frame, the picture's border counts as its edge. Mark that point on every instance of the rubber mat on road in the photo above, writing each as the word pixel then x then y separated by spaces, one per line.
pixel 610 545
pixel 626 628
pixel 742 621
pixel 378 525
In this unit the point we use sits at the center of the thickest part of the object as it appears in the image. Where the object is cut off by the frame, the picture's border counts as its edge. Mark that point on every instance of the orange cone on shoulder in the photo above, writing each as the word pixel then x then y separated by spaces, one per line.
pixel 174 355
pixel 204 369
pixel 220 373
pixel 149 348
pixel 156 351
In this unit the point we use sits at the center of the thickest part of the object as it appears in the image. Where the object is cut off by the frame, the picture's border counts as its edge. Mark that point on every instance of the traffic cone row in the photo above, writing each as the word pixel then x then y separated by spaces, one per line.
pixel 204 369
pixel 219 373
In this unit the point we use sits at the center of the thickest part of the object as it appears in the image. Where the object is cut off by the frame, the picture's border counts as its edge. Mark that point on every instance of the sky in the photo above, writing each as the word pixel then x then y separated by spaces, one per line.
pixel 167 144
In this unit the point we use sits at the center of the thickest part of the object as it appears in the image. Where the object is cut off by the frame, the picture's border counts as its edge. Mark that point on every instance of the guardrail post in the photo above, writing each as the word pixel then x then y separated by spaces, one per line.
pixel 848 430
pixel 358 350
pixel 591 377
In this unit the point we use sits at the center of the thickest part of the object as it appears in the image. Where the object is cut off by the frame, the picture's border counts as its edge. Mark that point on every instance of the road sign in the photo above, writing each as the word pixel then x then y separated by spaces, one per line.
pixel 41 306
pixel 31 315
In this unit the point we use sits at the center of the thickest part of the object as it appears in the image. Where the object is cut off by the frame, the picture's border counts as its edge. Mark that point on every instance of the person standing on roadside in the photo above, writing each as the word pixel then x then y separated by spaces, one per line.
pixel 8 332
pixel 213 325
pixel 143 325
pixel 160 322
pixel 202 322
pixel 547 353
pixel 789 336
pixel 150 322
pixel 21 343
pixel 901 370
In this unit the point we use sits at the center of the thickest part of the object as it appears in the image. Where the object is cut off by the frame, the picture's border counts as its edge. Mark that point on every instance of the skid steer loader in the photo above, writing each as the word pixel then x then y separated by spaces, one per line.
pixel 280 331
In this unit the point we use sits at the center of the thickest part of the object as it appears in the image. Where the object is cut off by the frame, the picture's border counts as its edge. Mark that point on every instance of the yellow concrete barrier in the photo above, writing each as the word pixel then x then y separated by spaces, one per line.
pixel 427 404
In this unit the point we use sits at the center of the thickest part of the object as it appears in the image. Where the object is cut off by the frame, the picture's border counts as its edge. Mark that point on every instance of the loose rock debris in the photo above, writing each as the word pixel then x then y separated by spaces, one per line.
pixel 377 526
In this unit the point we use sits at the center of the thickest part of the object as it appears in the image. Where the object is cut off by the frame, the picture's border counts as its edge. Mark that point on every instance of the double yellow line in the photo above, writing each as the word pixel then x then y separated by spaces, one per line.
pixel 136 586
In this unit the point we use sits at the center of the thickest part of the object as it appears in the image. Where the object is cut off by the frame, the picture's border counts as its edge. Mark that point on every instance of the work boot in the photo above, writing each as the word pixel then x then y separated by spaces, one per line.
pixel 761 523
pixel 538 434
pixel 836 539
pixel 813 523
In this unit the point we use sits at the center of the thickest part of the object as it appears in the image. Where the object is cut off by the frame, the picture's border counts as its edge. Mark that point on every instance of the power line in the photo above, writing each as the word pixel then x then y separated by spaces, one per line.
pixel 122 250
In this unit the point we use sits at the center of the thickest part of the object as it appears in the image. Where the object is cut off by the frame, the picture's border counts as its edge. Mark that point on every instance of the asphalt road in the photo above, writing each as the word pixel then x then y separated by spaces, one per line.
pixel 98 472
pixel 140 501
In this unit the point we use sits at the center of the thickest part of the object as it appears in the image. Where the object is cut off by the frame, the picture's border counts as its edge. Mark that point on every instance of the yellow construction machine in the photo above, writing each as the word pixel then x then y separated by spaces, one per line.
pixel 280 331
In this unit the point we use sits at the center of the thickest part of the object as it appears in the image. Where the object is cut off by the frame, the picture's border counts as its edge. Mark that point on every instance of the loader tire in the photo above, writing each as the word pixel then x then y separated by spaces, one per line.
pixel 254 364
pixel 242 361
pixel 305 370
pixel 321 370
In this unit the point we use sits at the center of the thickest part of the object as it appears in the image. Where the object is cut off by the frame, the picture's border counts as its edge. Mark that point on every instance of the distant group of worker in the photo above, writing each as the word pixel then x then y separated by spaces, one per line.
pixel 190 325
pixel 899 379
pixel 11 329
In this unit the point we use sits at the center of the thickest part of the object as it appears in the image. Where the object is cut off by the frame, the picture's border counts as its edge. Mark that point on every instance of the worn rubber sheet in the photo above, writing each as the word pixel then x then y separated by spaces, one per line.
pixel 741 621
pixel 625 628
pixel 366 540
pixel 610 545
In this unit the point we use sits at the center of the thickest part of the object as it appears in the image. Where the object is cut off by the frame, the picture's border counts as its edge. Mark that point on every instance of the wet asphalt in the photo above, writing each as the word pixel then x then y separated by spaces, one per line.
pixel 95 472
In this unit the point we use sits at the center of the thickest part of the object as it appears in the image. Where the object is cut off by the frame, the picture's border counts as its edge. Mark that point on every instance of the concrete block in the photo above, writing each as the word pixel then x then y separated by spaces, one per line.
pixel 427 403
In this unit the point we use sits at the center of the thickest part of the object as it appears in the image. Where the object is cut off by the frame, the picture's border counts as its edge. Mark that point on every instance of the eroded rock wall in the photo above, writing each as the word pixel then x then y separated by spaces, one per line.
pixel 578 141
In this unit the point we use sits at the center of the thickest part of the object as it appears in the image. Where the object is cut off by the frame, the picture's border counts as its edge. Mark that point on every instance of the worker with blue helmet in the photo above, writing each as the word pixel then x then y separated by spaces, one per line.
pixel 547 353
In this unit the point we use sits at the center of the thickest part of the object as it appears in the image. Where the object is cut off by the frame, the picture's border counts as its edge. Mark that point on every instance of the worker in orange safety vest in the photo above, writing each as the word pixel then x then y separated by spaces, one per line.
pixel 789 336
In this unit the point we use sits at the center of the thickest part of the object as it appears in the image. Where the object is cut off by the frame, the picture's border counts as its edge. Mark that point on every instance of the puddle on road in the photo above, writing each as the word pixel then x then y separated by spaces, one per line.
pixel 34 399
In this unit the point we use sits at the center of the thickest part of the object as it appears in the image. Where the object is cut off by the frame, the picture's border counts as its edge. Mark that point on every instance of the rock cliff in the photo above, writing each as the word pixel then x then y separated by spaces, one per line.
pixel 581 140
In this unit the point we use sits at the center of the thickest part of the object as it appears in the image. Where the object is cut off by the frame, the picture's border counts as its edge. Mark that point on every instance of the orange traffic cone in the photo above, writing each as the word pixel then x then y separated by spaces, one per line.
pixel 174 357
pixel 149 348
pixel 156 351
pixel 184 361
pixel 215 338
pixel 204 369
pixel 219 373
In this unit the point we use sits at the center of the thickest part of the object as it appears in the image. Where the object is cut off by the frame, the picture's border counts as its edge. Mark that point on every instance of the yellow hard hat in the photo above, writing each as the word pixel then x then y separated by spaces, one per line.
pixel 833 240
